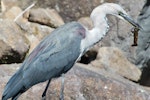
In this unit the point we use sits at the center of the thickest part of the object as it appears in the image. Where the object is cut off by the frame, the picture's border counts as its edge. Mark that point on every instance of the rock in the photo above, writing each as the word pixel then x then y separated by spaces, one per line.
pixel 143 49
pixel 14 45
pixel 12 13
pixel 82 83
pixel 113 60
pixel 7 4
pixel 34 32
pixel 5 51
pixel 88 57
pixel 73 10
pixel 47 17
pixel 68 9
pixel 34 41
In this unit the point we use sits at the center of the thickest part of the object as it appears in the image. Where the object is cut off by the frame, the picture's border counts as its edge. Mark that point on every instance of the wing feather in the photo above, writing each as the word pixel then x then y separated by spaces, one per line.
pixel 55 55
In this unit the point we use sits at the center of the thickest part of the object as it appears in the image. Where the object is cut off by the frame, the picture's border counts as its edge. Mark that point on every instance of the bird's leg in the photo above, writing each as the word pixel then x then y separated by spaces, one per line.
pixel 62 87
pixel 44 93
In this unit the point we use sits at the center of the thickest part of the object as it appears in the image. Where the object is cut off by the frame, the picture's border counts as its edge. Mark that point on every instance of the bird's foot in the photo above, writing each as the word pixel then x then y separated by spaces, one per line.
pixel 43 97
pixel 61 97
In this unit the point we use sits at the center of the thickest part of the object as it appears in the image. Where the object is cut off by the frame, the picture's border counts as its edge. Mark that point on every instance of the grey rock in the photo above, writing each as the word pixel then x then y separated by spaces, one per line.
pixel 7 4
pixel 12 13
pixel 34 32
pixel 14 45
pixel 48 17
pixel 82 83
pixel 113 60
pixel 68 9
pixel 143 49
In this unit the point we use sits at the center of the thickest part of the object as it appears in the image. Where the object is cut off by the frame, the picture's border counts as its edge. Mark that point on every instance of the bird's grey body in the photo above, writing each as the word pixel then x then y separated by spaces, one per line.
pixel 58 52
pixel 49 59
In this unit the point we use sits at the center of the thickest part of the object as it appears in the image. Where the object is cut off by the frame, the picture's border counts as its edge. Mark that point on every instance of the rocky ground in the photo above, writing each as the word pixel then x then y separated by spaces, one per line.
pixel 108 72
pixel 83 82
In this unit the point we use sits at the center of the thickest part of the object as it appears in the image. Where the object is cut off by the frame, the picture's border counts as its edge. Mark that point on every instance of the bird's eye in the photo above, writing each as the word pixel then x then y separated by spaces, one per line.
pixel 120 13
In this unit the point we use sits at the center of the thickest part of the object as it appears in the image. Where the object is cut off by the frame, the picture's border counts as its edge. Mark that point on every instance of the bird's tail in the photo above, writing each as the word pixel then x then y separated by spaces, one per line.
pixel 14 87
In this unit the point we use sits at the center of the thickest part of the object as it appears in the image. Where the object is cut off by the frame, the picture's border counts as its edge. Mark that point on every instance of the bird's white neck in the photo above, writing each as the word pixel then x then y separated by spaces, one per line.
pixel 97 33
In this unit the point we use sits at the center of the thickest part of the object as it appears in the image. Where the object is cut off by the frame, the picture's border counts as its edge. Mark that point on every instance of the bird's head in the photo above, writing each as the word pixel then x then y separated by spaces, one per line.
pixel 116 10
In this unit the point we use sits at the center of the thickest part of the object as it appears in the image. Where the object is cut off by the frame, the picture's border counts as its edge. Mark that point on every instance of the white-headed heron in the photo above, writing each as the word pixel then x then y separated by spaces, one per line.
pixel 58 52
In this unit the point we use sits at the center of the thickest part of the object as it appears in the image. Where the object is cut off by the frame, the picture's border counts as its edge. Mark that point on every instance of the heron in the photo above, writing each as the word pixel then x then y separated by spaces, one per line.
pixel 59 51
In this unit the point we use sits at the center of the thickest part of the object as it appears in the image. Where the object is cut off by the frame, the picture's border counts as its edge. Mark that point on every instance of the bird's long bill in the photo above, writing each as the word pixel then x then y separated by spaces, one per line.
pixel 130 20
